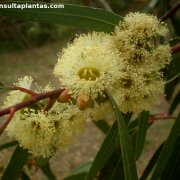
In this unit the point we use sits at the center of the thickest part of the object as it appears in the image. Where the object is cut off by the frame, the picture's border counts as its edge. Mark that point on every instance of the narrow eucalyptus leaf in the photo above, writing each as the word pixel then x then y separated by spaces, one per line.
pixel 174 103
pixel 24 176
pixel 141 132
pixel 71 15
pixel 128 155
pixel 150 6
pixel 167 150
pixel 48 172
pixel 104 152
pixel 81 176
pixel 172 170
pixel 8 145
pixel 80 172
pixel 45 167
pixel 151 163
pixel 102 125
pixel 162 8
pixel 16 164
pixel 175 23
pixel 82 168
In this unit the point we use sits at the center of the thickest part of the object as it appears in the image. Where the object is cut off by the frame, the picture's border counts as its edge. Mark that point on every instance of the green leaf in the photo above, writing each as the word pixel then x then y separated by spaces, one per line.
pixel 24 176
pixel 79 172
pixel 173 78
pixel 151 163
pixel 162 8
pixel 169 90
pixel 172 71
pixel 133 125
pixel 128 155
pixel 104 152
pixel 172 170
pixel 167 150
pixel 102 125
pixel 113 169
pixel 3 88
pixel 150 6
pixel 80 176
pixel 173 67
pixel 71 15
pixel 175 23
pixel 116 173
pixel 16 164
pixel 174 103
pixel 45 166
pixel 82 168
pixel 141 133
pixel 7 145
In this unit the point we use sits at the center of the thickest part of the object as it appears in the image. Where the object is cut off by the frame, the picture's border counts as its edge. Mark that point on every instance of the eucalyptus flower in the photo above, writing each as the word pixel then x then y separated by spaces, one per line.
pixel 137 41
pixel 88 66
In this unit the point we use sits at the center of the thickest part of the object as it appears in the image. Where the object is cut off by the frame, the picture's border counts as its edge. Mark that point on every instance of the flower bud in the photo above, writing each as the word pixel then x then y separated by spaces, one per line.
pixel 82 103
pixel 64 97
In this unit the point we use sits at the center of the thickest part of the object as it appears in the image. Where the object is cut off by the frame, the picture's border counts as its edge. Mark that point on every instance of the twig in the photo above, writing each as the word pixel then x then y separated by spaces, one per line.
pixel 23 90
pixel 32 100
pixel 160 117
pixel 175 49
pixel 6 122
pixel 52 95
pixel 171 11
pixel 51 102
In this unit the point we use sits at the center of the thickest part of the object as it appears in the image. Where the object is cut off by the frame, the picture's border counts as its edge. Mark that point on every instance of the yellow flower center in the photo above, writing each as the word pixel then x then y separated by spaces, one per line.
pixel 35 126
pixel 126 81
pixel 88 73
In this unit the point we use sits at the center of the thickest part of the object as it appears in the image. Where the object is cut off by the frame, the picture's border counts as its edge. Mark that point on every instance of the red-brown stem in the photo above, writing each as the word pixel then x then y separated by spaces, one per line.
pixel 6 122
pixel 171 11
pixel 23 90
pixel 160 117
pixel 31 100
pixel 51 102
pixel 175 49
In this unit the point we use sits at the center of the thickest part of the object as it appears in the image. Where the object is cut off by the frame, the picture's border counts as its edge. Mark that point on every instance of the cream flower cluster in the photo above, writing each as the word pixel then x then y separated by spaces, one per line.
pixel 137 41
pixel 42 133
pixel 127 63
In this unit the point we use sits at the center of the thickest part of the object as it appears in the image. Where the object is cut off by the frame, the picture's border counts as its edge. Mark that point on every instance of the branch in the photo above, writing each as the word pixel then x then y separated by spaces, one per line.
pixel 6 122
pixel 51 102
pixel 171 11
pixel 23 90
pixel 159 117
pixel 175 49
pixel 35 98
pixel 52 95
